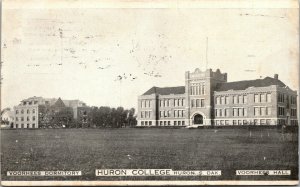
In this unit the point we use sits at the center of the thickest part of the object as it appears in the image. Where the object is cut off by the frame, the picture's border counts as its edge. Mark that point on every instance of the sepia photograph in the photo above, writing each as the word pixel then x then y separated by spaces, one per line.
pixel 195 92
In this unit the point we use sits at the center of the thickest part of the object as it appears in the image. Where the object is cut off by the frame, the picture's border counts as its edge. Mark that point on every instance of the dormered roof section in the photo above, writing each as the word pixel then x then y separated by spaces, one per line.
pixel 242 85
pixel 166 90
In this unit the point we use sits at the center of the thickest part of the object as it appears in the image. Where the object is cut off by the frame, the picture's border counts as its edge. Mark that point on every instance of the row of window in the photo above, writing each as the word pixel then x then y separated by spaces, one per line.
pixel 145 103
pixel 27 111
pixel 281 98
pixel 168 102
pixel 197 89
pixel 28 119
pixel 167 113
pixel 262 98
pixel 163 123
pixel 262 111
pixel 236 112
pixel 293 112
pixel 25 125
pixel 146 114
pixel 294 122
pixel 197 103
pixel 243 122
pixel 29 102
pixel 236 99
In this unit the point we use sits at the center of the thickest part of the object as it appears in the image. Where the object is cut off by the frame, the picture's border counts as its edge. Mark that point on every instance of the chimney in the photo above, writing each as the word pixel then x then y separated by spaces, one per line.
pixel 276 76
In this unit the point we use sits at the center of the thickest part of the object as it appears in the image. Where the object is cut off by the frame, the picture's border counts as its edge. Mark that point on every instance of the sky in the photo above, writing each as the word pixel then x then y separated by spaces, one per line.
pixel 109 55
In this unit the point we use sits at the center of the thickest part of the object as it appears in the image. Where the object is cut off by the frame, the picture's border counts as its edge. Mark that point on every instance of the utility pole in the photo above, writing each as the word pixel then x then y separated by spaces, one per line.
pixel 206 53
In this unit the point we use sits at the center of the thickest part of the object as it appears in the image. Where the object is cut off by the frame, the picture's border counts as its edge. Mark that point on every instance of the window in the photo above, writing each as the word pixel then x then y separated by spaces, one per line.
pixel 33 111
pixel 222 100
pixel 22 118
pixel 245 98
pixel 160 123
pixel 262 122
pixel 226 100
pixel 193 103
pixel 256 111
pixel 281 111
pixel 268 97
pixel 280 98
pixel 35 102
pixel 245 111
pixel 150 123
pixel 169 123
pixel 179 122
pixel 256 98
pixel 241 98
pixel 221 113
pixel 263 111
pixel 234 122
pixel 245 122
pixel 293 100
pixel 235 112
pixel 22 111
pixel 24 103
pixel 240 122
pixel 241 112
pixel 17 119
pixel 202 103
pixel 142 114
pixel 262 97
pixel 268 111
pixel 217 100
pixel 235 100
pixel 169 113
pixel 175 123
pixel 146 123
pixel 28 111
pixel 30 102
pixel 183 123
pixel 226 122
pixel 17 111
pixel 27 118
pixel 293 112
pixel 216 112
pixel 197 103
pixel 222 122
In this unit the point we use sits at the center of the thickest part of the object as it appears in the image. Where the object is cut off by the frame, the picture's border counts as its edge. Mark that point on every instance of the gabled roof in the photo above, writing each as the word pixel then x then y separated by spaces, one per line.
pixel 242 85
pixel 166 90
pixel 59 103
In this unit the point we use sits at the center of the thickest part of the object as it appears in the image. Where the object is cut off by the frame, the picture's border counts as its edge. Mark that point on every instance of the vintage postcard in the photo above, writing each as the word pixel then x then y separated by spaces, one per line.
pixel 136 92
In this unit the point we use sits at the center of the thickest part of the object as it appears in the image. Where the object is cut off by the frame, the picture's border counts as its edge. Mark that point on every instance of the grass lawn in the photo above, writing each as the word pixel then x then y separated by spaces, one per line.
pixel 178 149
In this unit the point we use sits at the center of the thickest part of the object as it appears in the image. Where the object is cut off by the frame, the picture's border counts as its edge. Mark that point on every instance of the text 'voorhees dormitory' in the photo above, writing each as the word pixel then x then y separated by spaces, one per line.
pixel 208 99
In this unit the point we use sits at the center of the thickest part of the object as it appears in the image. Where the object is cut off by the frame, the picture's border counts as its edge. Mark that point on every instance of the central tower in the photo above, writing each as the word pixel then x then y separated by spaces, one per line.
pixel 199 88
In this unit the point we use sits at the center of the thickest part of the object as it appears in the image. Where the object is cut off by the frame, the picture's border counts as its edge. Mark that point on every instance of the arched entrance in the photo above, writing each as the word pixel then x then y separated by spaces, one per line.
pixel 198 119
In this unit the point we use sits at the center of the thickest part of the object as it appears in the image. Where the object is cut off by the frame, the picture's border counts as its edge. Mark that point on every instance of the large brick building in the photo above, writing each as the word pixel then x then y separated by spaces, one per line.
pixel 208 99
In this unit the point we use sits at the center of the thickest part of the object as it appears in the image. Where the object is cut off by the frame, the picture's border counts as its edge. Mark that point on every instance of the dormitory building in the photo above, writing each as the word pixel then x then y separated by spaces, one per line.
pixel 207 99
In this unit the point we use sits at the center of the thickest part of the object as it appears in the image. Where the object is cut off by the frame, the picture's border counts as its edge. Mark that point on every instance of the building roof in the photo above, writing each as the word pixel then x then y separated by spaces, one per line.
pixel 59 103
pixel 166 90
pixel 242 85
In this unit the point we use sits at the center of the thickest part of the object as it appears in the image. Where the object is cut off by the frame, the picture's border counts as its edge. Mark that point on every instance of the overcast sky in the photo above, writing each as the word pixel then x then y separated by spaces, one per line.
pixel 82 53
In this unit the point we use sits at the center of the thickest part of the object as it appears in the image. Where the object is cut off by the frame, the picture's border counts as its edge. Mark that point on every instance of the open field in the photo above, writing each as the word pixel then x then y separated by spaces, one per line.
pixel 178 149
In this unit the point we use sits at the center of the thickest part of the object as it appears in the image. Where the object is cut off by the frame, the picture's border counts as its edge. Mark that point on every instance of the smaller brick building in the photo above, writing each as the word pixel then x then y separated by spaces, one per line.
pixel 36 112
